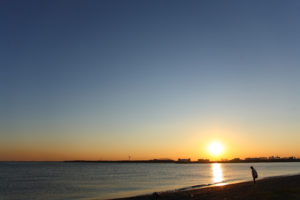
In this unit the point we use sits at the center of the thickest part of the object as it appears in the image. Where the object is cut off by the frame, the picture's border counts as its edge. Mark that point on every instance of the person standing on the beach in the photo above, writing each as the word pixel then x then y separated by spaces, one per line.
pixel 254 174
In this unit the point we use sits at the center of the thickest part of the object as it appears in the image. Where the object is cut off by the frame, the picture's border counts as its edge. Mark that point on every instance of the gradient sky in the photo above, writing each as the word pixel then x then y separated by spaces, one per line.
pixel 149 79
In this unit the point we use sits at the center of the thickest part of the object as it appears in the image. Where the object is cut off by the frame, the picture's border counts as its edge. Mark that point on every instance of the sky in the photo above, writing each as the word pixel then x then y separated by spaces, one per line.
pixel 105 80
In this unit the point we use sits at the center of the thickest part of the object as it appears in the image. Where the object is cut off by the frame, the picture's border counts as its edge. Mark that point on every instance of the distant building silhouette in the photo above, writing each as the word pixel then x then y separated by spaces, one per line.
pixel 236 160
pixel 203 160
pixel 184 160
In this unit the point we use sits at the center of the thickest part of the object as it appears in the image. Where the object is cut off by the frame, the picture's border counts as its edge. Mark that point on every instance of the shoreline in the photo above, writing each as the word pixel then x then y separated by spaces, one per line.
pixel 276 187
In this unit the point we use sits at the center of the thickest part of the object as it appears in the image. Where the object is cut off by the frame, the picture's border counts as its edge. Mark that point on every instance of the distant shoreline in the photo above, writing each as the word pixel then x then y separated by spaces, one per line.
pixel 278 187
pixel 178 162
pixel 250 160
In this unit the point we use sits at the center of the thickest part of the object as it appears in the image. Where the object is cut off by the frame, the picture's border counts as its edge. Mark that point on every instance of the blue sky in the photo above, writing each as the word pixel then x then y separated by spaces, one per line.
pixel 111 70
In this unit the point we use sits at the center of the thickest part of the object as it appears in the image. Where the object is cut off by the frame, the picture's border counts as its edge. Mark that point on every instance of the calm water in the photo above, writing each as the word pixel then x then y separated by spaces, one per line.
pixel 45 181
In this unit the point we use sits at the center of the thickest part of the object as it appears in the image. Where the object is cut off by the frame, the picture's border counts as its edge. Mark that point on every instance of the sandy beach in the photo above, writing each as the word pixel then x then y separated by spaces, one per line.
pixel 287 187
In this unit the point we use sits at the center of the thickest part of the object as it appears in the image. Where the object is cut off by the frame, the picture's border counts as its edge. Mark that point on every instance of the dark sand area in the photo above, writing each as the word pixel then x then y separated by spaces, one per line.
pixel 287 187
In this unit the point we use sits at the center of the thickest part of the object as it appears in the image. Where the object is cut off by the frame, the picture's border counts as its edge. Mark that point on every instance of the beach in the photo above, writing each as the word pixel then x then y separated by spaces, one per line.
pixel 283 187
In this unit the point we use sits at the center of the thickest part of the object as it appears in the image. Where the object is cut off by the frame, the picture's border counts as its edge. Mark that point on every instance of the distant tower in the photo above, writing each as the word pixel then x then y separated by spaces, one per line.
pixel 129 157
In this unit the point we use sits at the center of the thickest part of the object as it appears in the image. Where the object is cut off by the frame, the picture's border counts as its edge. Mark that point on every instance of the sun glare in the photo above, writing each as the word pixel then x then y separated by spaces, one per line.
pixel 215 148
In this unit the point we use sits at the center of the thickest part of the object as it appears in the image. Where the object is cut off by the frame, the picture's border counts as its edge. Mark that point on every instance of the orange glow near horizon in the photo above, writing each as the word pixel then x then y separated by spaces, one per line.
pixel 194 143
pixel 30 155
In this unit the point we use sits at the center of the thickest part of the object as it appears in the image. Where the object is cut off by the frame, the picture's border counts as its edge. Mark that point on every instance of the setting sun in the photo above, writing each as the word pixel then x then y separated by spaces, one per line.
pixel 215 148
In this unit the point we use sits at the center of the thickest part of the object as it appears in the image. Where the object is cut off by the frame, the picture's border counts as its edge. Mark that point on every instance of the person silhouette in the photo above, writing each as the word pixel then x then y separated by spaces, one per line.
pixel 254 174
pixel 155 195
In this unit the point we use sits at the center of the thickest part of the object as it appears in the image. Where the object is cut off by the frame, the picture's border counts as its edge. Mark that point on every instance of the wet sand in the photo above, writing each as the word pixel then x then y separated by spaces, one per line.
pixel 276 188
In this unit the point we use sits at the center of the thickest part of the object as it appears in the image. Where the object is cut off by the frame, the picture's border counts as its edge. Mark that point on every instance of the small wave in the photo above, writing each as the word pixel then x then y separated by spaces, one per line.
pixel 193 187
pixel 211 184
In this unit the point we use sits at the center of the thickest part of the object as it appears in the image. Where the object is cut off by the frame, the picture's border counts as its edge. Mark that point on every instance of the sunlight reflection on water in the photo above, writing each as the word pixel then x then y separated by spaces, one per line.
pixel 217 174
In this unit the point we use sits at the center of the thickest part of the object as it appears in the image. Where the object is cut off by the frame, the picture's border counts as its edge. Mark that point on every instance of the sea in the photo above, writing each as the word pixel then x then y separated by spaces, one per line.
pixel 91 181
